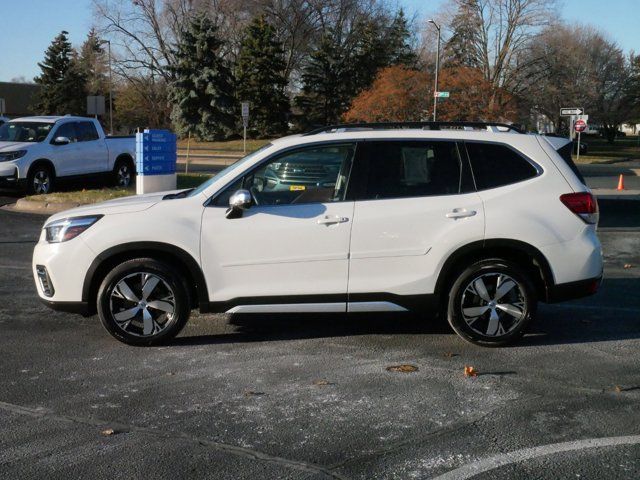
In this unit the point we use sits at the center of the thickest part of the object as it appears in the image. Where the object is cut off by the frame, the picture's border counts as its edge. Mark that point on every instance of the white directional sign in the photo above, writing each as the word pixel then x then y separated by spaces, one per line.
pixel 567 112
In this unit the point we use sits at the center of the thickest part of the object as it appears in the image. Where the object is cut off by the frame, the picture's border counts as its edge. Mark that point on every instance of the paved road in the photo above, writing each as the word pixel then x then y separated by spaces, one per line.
pixel 310 397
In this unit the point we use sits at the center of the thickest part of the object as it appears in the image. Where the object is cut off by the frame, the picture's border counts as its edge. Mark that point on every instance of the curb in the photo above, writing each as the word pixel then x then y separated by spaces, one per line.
pixel 26 206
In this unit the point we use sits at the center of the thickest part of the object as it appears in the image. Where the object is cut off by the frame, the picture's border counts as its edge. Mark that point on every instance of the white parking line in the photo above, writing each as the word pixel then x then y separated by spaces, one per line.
pixel 490 463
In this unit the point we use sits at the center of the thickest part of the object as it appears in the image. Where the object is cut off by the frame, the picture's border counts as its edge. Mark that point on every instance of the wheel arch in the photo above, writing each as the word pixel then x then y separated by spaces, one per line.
pixel 521 253
pixel 176 256
pixel 127 158
pixel 41 161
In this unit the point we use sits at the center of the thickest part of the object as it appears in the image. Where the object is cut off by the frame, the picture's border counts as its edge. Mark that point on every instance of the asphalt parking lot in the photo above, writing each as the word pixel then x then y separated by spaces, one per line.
pixel 310 397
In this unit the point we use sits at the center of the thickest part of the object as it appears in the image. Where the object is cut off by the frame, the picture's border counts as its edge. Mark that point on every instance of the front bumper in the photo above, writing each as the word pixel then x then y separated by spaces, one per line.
pixel 9 178
pixel 81 308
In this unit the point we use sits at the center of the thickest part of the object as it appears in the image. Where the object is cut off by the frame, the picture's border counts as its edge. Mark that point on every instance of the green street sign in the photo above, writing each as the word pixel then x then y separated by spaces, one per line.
pixel 441 94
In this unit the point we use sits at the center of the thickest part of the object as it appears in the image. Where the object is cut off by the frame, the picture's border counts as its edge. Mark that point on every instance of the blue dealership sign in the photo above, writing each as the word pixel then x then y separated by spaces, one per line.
pixel 156 152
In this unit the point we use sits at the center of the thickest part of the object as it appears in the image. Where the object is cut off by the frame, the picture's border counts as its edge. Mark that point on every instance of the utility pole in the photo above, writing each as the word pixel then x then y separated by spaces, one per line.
pixel 108 42
pixel 435 88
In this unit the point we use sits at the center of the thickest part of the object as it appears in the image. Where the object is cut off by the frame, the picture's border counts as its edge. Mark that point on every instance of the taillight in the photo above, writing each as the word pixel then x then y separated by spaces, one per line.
pixel 583 204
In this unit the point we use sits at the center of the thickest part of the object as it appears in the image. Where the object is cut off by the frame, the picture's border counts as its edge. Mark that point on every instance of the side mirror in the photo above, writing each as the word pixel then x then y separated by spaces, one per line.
pixel 61 141
pixel 238 202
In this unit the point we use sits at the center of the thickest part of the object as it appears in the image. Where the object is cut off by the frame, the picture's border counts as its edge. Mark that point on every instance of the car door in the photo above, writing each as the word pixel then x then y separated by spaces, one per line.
pixel 65 157
pixel 289 250
pixel 415 204
pixel 91 149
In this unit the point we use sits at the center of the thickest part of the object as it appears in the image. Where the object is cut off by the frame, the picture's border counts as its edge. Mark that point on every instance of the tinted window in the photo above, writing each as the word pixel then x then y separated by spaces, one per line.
pixel 308 175
pixel 411 169
pixel 86 131
pixel 67 130
pixel 496 165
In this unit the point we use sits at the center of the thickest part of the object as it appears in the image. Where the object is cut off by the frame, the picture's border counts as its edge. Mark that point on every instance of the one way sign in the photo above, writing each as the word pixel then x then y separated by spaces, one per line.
pixel 567 112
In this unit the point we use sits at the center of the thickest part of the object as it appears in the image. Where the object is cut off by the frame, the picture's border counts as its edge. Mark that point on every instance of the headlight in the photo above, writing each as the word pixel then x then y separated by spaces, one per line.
pixel 68 228
pixel 7 156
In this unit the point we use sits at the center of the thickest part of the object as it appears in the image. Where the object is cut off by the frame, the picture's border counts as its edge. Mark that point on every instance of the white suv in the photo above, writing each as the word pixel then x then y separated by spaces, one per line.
pixel 476 224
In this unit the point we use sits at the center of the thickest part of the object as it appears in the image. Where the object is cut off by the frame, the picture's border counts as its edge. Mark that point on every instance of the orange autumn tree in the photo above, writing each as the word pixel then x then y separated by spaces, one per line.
pixel 402 94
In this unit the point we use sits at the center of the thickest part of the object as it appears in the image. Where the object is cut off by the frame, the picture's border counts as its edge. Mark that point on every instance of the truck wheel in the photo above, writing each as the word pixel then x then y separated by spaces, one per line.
pixel 143 302
pixel 491 303
pixel 40 180
pixel 123 173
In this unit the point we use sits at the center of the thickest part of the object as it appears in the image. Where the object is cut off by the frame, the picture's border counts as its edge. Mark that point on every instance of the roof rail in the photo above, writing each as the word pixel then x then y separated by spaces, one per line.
pixel 414 125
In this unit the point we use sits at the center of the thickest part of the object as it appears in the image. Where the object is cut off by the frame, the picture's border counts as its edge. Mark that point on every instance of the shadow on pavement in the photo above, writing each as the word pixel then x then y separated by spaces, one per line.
pixel 604 317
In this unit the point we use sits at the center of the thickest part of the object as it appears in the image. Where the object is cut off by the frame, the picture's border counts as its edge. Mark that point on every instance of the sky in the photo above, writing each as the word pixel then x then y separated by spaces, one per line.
pixel 28 26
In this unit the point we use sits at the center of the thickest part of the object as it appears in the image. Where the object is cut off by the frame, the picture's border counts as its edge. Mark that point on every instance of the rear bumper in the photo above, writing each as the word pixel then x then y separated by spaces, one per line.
pixel 573 290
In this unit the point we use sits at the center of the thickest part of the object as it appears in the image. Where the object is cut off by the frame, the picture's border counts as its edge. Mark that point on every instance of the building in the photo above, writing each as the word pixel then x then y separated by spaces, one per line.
pixel 18 98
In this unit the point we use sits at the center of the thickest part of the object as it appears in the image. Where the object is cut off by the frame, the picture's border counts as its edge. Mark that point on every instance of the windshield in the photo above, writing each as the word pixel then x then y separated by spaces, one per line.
pixel 229 169
pixel 24 131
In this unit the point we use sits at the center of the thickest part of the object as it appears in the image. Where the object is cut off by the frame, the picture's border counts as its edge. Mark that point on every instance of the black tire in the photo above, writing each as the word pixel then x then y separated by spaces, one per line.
pixel 484 329
pixel 124 174
pixel 40 179
pixel 170 290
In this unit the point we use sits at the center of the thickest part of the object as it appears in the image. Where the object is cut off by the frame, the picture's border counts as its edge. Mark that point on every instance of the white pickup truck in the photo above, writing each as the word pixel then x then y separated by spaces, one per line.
pixel 36 151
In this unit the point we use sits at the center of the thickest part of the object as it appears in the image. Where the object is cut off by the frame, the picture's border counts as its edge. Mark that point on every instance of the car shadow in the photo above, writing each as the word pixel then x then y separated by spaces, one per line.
pixel 611 315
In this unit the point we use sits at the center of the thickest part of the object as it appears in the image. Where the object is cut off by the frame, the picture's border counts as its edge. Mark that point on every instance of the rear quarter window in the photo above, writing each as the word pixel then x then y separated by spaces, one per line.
pixel 495 165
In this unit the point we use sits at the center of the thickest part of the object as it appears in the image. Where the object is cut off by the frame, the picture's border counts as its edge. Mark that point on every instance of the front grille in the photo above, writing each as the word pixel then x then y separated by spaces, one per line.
pixel 300 172
pixel 45 281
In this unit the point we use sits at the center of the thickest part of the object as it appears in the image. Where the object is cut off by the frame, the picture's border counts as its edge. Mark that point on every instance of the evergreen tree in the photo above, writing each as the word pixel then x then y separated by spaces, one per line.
pixel 260 79
pixel 202 89
pixel 460 50
pixel 327 89
pixel 398 43
pixel 62 82
pixel 94 64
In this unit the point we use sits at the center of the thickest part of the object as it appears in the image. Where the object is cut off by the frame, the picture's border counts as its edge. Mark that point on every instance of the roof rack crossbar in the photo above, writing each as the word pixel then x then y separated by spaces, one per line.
pixel 414 125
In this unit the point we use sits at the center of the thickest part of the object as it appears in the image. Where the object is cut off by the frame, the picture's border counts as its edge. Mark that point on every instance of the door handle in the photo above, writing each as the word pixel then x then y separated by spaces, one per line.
pixel 460 213
pixel 327 220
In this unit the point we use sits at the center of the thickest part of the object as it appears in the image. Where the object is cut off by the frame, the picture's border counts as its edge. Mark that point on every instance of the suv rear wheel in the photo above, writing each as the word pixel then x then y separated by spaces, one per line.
pixel 143 302
pixel 491 303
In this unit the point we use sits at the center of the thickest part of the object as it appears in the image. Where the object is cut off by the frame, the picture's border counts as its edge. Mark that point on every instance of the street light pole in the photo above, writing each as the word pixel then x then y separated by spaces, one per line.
pixel 435 88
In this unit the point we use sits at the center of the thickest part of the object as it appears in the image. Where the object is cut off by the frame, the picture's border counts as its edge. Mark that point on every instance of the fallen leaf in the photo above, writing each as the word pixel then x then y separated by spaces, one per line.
pixel 470 371
pixel 107 432
pixel 170 373
pixel 618 389
pixel 322 382
pixel 402 368
pixel 628 265
pixel 450 354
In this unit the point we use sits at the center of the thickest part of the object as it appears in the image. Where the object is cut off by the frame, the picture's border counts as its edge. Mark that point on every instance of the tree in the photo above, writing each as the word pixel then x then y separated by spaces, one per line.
pixel 260 79
pixel 141 102
pixel 202 88
pixel 94 64
pixel 398 94
pixel 398 42
pixel 401 94
pixel 62 82
pixel 461 48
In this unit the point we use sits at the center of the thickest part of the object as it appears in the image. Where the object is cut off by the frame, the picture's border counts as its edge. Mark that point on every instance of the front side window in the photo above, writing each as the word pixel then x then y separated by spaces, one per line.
pixel 309 175
pixel 86 132
pixel 67 130
pixel 24 131
pixel 399 169
pixel 496 165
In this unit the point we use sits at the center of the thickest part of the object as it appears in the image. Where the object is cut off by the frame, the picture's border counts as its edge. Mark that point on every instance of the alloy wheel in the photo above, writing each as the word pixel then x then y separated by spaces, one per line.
pixel 493 304
pixel 124 176
pixel 142 304
pixel 41 182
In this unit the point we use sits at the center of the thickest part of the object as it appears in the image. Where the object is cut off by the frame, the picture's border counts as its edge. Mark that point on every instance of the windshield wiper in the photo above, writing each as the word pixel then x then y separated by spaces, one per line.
pixel 182 194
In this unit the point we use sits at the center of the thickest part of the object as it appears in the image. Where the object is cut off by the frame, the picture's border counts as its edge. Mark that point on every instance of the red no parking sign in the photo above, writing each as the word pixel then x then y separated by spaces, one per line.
pixel 580 125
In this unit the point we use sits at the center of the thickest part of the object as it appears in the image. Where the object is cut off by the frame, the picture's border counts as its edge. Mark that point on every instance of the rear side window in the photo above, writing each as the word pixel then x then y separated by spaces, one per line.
pixel 496 165
pixel 86 131
pixel 398 169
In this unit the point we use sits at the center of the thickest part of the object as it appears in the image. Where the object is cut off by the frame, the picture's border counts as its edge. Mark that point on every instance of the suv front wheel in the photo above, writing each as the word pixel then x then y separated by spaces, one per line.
pixel 491 303
pixel 143 302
